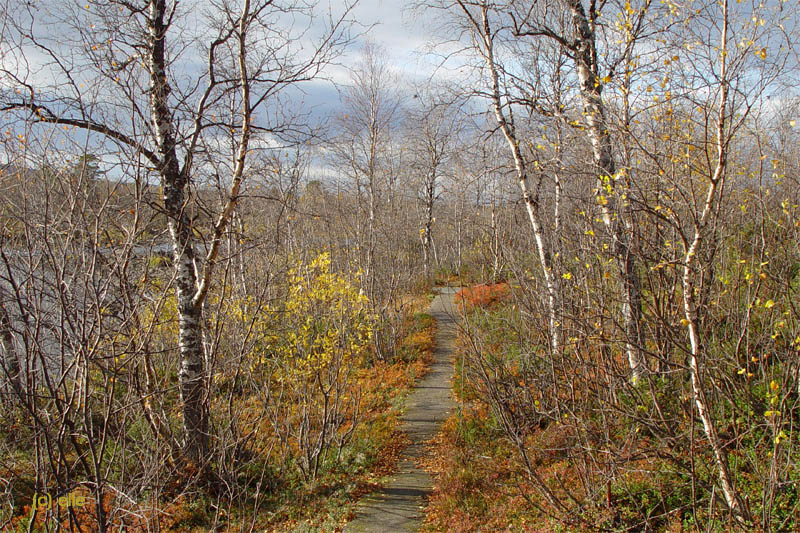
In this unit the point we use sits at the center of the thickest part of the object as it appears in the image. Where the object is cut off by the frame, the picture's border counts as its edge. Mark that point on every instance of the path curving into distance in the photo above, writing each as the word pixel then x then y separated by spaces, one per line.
pixel 400 504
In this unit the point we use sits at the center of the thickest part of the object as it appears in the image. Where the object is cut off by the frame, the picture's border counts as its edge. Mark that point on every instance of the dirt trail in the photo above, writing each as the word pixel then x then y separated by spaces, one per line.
pixel 399 505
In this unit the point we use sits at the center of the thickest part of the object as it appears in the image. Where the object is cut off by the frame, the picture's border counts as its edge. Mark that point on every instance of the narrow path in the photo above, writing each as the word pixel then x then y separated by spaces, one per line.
pixel 398 506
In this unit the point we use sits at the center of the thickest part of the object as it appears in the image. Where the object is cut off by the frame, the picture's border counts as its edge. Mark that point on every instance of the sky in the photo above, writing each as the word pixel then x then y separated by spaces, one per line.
pixel 403 33
pixel 389 23
pixel 397 29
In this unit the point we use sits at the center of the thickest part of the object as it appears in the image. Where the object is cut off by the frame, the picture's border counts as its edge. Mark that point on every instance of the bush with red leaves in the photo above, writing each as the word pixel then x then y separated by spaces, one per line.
pixel 484 296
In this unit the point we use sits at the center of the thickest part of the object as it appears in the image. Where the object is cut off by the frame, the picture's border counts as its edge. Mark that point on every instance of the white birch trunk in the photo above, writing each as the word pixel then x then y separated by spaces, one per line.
pixel 696 358
pixel 427 237
pixel 191 283
pixel 191 371
pixel 552 281
pixel 613 210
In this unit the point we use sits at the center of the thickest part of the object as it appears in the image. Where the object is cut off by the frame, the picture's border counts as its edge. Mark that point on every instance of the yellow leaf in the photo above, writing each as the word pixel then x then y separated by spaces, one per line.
pixel 762 53
pixel 684 322
pixel 769 304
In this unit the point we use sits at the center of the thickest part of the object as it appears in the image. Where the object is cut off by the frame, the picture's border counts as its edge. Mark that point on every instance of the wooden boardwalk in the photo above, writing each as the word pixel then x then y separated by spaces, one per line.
pixel 399 505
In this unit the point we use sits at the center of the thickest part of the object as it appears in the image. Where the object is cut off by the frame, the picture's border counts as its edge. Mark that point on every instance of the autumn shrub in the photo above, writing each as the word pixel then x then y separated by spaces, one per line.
pixel 482 296
pixel 419 337
pixel 317 338
pixel 358 464
pixel 616 455
pixel 473 469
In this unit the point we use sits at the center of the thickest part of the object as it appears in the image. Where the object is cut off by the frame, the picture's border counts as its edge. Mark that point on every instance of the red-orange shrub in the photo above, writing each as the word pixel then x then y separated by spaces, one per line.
pixel 484 296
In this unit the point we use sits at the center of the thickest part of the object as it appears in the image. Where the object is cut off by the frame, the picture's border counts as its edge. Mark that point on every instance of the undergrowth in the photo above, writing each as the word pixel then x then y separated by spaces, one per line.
pixel 280 499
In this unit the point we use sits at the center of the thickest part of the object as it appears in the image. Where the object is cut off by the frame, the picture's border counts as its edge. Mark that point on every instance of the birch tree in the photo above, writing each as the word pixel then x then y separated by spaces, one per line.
pixel 527 29
pixel 433 131
pixel 485 38
pixel 130 72
pixel 577 33
pixel 692 247
pixel 737 54
pixel 371 111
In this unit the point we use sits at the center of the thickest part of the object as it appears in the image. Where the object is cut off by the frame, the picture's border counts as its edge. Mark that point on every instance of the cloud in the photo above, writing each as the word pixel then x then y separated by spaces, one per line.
pixel 397 28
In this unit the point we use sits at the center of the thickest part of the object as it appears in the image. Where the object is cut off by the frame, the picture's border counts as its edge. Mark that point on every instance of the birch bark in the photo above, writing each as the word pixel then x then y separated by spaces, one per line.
pixel 615 215
pixel 690 264
pixel 191 372
pixel 530 194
